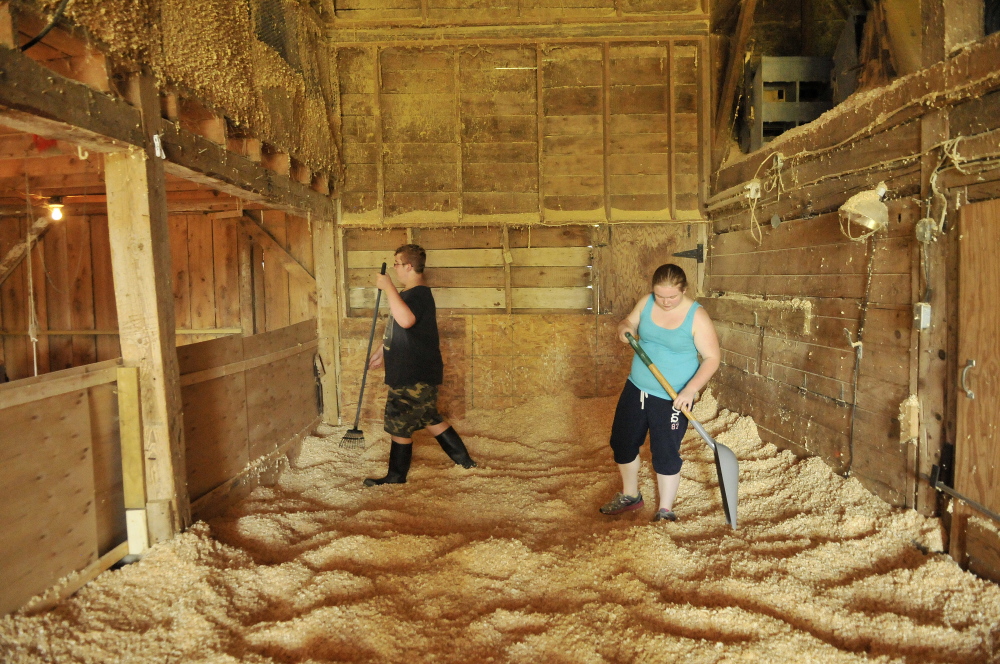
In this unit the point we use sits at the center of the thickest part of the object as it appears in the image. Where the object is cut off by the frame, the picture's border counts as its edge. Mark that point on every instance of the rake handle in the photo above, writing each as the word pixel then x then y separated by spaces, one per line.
pixel 368 355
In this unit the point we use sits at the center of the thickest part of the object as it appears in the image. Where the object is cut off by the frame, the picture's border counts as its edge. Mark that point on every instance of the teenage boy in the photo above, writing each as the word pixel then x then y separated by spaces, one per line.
pixel 411 354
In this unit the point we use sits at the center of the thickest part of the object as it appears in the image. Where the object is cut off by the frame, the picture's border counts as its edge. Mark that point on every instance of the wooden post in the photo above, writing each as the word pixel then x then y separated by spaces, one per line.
pixel 327 313
pixel 133 474
pixel 933 343
pixel 140 262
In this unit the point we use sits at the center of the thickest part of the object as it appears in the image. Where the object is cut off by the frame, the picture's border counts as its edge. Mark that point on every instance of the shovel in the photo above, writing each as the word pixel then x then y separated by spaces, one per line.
pixel 726 464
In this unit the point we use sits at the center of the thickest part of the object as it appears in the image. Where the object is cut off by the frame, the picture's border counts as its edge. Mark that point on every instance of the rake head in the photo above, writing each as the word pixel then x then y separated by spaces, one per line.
pixel 353 439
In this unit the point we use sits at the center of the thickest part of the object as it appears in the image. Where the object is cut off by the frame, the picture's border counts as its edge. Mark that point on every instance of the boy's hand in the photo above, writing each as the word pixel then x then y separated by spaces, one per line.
pixel 384 282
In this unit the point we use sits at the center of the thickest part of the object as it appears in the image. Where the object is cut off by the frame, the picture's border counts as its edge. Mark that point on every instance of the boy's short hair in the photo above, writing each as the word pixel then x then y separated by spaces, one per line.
pixel 414 255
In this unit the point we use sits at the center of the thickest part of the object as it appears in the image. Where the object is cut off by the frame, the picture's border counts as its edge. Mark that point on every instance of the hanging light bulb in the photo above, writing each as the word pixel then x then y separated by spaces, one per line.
pixel 55 208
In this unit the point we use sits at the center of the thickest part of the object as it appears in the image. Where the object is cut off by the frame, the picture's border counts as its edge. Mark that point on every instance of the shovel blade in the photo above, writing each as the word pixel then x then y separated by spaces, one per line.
pixel 728 469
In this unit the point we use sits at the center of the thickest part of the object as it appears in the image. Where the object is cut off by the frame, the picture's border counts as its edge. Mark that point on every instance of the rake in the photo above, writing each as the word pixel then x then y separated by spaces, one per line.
pixel 355 438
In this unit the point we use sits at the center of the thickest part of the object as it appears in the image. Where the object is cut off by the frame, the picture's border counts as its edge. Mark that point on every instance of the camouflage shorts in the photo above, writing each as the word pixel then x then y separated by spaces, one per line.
pixel 410 408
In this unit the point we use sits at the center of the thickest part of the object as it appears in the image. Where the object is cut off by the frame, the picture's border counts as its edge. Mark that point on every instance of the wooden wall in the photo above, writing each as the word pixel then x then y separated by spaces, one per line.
pixel 62 489
pixel 74 289
pixel 494 359
pixel 524 131
pixel 71 279
pixel 932 138
pixel 801 383
pixel 243 398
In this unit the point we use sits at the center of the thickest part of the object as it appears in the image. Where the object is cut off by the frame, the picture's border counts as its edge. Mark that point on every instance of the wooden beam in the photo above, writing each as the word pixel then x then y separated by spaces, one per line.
pixel 34 99
pixel 140 262
pixel 733 71
pixel 21 249
pixel 198 159
pixel 517 32
pixel 264 239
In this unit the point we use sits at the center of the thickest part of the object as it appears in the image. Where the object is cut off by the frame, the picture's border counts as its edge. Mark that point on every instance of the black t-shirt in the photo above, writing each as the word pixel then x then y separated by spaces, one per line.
pixel 414 355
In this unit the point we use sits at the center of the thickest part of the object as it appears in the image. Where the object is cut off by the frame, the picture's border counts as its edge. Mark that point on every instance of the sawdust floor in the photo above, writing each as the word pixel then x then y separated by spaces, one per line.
pixel 511 562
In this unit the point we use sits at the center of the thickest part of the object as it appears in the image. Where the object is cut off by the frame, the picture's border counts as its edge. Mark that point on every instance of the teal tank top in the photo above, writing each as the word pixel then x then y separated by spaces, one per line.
pixel 672 351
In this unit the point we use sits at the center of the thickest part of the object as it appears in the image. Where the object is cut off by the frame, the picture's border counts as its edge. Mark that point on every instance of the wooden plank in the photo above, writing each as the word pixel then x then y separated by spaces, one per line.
pixel 180 276
pixel 280 401
pixel 441 277
pixel 245 250
pixel 48 495
pixel 215 430
pixel 780 316
pixel 78 250
pixel 552 298
pixel 276 295
pixel 552 256
pixel 58 297
pixel 226 271
pixel 445 298
pixel 201 271
pixel 105 312
pixel 435 258
pixel 17 358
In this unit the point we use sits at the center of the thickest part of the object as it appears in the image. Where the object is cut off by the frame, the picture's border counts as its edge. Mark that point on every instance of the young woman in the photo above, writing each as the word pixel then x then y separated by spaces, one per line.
pixel 674 330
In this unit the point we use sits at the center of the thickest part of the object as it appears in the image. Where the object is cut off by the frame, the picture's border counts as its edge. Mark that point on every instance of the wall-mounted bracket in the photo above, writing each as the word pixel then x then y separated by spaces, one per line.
pixel 938 485
pixel 697 253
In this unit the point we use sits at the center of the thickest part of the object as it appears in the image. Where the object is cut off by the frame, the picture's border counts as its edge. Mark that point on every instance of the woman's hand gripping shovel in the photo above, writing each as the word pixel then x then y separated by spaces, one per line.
pixel 726 464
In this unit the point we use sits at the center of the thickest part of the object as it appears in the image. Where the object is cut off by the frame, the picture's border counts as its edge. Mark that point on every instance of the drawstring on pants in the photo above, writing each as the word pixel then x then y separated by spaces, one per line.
pixel 642 400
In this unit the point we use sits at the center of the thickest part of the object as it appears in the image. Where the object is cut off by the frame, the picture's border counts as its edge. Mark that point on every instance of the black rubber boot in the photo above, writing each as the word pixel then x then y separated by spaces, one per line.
pixel 453 446
pixel 399 465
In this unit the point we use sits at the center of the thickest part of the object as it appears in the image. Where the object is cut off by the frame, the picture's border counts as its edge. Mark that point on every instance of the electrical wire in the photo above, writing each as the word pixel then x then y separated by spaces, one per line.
pixel 41 35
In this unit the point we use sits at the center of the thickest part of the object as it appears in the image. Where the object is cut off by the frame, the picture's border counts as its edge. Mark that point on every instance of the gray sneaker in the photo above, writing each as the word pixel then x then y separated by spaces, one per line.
pixel 621 503
pixel 664 514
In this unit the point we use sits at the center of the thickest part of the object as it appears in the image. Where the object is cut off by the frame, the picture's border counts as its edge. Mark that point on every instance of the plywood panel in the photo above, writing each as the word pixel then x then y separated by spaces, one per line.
pixel 48 519
pixel 281 400
pixel 215 432
pixel 78 251
pixel 977 452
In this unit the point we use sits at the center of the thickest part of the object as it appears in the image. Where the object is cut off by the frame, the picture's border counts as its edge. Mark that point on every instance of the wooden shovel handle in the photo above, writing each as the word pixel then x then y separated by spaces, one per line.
pixel 652 368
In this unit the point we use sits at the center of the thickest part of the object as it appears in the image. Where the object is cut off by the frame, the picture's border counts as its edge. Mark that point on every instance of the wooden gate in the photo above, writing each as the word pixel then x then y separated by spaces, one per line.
pixel 977 444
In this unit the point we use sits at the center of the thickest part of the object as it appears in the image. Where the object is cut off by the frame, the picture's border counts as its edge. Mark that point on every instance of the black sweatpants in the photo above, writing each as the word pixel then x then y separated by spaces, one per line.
pixel 638 414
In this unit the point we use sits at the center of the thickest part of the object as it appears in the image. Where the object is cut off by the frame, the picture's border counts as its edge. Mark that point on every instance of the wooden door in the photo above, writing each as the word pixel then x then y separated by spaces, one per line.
pixel 977 445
